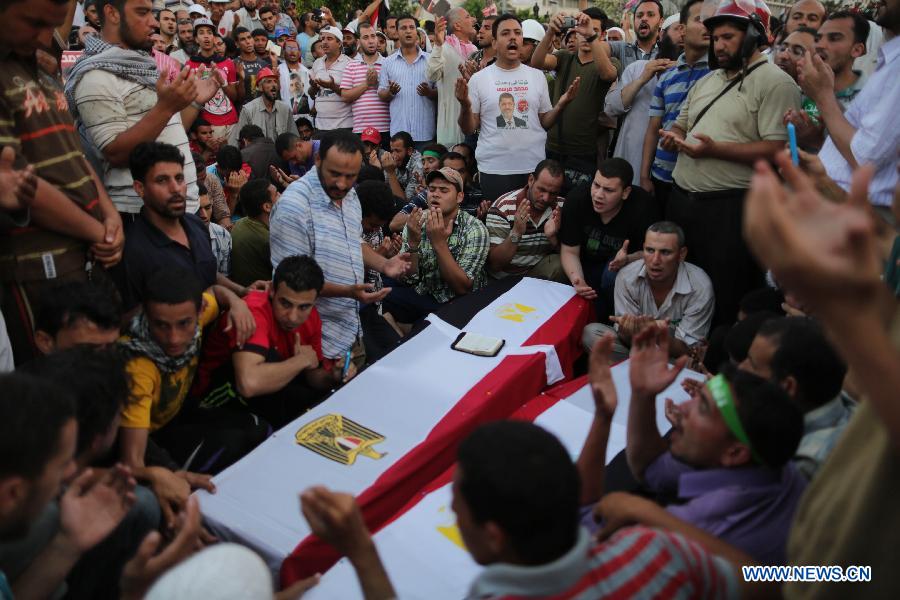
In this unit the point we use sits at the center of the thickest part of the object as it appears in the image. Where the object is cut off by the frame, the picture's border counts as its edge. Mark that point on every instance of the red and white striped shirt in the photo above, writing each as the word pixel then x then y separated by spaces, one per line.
pixel 368 110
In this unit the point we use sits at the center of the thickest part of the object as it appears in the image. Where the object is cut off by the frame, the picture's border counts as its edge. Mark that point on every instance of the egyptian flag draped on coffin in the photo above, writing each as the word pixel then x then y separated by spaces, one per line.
pixel 422 549
pixel 392 430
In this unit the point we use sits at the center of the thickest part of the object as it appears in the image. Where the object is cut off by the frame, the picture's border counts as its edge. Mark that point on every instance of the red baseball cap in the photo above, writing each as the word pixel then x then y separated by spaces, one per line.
pixel 370 134
pixel 265 72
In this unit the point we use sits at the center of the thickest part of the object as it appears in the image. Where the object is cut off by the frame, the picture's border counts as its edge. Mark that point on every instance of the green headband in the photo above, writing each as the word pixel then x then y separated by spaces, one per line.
pixel 432 154
pixel 721 393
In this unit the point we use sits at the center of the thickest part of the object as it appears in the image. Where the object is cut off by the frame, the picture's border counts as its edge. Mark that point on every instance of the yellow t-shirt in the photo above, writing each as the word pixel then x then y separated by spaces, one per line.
pixel 156 398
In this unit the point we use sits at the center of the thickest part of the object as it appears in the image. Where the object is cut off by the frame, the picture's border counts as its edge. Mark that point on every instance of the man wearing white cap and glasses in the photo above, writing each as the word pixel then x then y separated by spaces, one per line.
pixel 325 82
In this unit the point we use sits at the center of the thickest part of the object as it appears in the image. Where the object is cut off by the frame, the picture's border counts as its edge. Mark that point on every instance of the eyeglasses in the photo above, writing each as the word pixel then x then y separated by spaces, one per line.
pixel 796 51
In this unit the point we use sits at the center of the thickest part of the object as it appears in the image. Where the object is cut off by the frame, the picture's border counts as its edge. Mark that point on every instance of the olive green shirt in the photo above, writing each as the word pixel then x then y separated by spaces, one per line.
pixel 250 260
pixel 750 112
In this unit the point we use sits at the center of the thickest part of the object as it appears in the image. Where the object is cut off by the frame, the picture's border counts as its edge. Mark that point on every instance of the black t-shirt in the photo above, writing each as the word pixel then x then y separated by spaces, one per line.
pixel 251 68
pixel 599 242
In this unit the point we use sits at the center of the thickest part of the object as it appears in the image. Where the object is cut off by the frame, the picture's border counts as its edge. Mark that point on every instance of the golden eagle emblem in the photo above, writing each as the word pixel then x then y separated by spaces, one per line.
pixel 339 439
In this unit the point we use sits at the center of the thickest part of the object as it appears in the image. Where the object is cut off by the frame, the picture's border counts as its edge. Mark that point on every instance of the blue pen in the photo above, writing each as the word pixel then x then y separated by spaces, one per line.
pixel 346 366
pixel 792 139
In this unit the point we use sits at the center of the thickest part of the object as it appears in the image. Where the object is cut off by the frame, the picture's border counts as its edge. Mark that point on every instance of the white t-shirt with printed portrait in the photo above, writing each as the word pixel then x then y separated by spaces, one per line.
pixel 510 103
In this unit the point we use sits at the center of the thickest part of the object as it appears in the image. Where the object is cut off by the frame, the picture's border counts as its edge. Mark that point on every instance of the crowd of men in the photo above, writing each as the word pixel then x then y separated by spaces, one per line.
pixel 224 211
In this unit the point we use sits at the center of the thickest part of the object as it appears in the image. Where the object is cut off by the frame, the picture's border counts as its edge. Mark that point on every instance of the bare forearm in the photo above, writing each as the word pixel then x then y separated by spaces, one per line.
pixel 500 255
pixel 226 291
pixel 542 54
pixel 600 52
pixel 371 259
pixel 54 211
pixel 148 128
pixel 399 221
pixel 394 183
pixel 335 290
pixel 47 571
pixel 549 118
pixel 451 272
pixel 644 442
pixel 467 121
pixel 630 91
pixel 592 462
pixel 571 263
pixel 267 377
pixel 372 577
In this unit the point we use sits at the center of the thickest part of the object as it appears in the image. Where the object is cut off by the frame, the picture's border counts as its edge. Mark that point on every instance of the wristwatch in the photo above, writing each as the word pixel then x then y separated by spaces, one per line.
pixel 515 237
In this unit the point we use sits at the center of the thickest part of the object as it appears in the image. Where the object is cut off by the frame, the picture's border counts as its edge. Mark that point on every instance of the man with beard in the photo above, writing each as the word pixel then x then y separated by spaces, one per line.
pixel 186 44
pixel 319 215
pixel 731 119
pixel 648 17
pixel 219 110
pixel 294 80
pixel 359 87
pixel 246 16
pixel 267 112
pixel 863 134
pixel 350 40
pixel 523 225
pixel 393 37
pixel 840 41
pixel 453 39
pixel 117 107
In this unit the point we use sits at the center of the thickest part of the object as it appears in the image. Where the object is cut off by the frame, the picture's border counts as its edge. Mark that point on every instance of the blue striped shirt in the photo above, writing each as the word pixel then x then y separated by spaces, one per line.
pixel 668 95
pixel 410 112
pixel 305 221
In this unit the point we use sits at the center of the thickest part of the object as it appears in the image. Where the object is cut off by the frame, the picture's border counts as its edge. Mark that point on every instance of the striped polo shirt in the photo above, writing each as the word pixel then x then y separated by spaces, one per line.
pixel 668 95
pixel 108 106
pixel 35 121
pixel 305 221
pixel 533 246
pixel 637 562
pixel 368 110
pixel 410 112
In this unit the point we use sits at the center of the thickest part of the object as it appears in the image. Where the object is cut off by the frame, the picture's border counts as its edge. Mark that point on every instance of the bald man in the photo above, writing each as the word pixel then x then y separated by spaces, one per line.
pixel 807 13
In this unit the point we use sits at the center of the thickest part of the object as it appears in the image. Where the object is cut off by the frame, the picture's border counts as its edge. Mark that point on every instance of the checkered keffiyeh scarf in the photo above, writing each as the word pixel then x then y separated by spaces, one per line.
pixel 132 65
pixel 138 342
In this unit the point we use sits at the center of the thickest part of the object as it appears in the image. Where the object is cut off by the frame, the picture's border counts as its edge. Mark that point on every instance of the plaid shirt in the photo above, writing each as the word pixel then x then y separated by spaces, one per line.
pixel 406 177
pixel 469 245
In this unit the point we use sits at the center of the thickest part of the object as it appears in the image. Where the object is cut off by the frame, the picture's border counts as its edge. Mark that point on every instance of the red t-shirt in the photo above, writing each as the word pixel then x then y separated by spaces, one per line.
pixel 269 340
pixel 218 110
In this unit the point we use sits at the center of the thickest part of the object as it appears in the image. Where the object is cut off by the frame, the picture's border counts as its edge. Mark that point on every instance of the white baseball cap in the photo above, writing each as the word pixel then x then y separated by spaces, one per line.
pixel 532 30
pixel 331 30
pixel 197 8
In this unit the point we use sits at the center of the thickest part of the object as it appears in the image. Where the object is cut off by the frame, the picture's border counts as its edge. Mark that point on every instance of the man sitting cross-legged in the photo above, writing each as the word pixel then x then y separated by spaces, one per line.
pixel 448 246
pixel 159 433
pixel 660 288
pixel 515 495
pixel 725 468
pixel 279 371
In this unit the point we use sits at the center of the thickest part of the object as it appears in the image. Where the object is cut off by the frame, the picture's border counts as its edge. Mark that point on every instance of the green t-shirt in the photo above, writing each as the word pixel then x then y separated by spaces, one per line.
pixel 579 119
pixel 250 258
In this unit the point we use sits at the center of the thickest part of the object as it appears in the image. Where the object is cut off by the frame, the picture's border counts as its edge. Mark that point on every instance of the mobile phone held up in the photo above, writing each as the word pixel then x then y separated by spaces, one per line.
pixel 568 23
